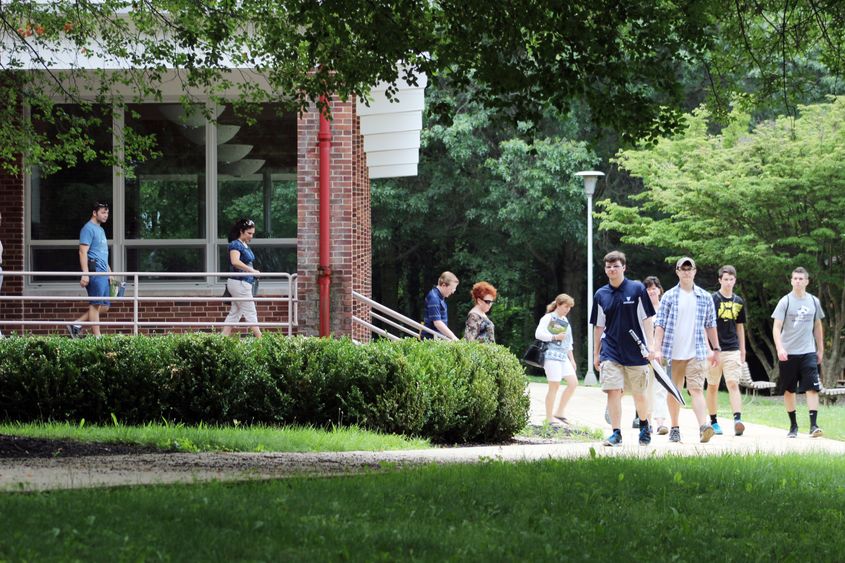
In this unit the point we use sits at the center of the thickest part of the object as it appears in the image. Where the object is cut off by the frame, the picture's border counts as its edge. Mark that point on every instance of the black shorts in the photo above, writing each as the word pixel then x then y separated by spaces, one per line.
pixel 800 371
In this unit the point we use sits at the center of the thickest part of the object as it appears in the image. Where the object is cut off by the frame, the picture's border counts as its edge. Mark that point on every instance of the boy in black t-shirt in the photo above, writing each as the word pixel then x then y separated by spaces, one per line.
pixel 730 323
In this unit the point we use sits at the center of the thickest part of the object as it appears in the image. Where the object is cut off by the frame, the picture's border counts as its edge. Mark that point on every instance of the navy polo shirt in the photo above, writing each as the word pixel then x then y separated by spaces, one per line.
pixel 618 310
pixel 435 310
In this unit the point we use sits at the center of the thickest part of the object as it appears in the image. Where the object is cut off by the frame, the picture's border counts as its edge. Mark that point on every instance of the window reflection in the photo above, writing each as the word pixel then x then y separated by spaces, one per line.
pixel 61 202
pixel 165 195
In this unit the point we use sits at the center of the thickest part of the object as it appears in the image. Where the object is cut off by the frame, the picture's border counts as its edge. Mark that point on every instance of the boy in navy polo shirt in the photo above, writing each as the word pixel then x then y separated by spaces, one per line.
pixel 618 307
pixel 436 313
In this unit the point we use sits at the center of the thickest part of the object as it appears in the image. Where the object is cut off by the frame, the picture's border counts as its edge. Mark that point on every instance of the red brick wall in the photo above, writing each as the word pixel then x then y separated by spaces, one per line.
pixel 350 251
pixel 11 235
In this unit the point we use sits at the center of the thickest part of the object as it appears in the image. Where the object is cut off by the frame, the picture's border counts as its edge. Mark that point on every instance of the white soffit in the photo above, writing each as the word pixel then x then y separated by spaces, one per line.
pixel 391 129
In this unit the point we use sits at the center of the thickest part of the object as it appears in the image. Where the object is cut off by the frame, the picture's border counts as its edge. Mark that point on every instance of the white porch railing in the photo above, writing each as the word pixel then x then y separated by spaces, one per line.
pixel 389 317
pixel 136 298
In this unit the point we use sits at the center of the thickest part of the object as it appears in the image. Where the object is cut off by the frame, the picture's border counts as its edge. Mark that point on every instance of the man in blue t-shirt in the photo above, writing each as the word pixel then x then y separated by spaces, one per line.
pixel 436 313
pixel 93 257
pixel 618 307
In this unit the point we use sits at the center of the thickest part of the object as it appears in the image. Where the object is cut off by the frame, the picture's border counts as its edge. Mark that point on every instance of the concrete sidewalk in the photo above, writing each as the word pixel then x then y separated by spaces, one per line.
pixel 585 409
pixel 588 405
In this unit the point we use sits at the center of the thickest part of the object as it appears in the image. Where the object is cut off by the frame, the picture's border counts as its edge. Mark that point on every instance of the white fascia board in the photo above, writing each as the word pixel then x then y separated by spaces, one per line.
pixel 406 100
pixel 396 171
pixel 392 141
pixel 391 122
pixel 392 158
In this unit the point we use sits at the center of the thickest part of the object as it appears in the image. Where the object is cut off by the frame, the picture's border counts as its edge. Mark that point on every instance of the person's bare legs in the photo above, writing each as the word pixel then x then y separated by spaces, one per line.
pixel 92 315
pixel 699 406
pixel 256 331
pixel 734 395
pixel 642 403
pixel 679 371
pixel 551 395
pixel 614 407
pixel 571 384
pixel 712 399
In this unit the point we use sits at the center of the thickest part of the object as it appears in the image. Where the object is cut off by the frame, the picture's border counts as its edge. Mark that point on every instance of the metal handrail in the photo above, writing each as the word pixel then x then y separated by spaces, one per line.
pixel 407 325
pixel 292 299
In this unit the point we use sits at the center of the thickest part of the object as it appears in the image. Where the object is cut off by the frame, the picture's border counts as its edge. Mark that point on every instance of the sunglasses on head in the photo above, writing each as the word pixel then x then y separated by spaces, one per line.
pixel 248 223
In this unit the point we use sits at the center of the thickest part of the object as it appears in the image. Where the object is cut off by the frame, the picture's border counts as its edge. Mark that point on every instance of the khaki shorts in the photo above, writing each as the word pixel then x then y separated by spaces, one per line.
pixel 695 371
pixel 730 365
pixel 633 379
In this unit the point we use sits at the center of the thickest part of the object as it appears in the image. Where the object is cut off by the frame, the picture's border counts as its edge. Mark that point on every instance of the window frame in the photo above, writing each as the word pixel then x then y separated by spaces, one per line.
pixel 119 244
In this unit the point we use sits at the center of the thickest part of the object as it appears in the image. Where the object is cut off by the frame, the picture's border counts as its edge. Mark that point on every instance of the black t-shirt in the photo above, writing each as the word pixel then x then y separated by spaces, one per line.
pixel 730 311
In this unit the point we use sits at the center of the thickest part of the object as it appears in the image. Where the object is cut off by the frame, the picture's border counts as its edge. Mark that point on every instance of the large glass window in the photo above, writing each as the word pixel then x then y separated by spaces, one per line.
pixel 169 212
pixel 165 195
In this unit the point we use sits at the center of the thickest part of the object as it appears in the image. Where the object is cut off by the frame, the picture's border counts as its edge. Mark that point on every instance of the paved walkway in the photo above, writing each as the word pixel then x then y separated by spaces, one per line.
pixel 586 409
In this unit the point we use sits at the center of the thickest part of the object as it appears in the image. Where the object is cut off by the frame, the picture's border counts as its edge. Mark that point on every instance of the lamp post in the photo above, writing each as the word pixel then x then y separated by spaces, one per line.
pixel 590 177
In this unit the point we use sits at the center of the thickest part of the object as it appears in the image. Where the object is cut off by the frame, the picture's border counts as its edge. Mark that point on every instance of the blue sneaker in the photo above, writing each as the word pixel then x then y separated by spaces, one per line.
pixel 717 430
pixel 614 440
pixel 645 435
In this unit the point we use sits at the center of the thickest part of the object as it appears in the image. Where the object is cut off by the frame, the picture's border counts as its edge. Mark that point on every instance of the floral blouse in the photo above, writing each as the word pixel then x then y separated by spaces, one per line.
pixel 479 328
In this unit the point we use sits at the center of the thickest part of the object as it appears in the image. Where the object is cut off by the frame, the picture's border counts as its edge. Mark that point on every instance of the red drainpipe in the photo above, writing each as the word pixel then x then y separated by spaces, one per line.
pixel 324 271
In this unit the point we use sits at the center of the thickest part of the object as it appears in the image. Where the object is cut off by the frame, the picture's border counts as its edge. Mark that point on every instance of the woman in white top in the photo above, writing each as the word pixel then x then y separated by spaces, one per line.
pixel 559 364
pixel 659 407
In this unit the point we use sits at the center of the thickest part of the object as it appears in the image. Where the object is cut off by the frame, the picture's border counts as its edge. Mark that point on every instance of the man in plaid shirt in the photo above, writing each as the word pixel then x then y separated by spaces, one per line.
pixel 685 321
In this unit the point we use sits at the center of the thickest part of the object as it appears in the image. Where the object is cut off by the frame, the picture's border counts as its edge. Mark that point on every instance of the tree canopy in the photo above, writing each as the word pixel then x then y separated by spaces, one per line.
pixel 623 59
pixel 766 200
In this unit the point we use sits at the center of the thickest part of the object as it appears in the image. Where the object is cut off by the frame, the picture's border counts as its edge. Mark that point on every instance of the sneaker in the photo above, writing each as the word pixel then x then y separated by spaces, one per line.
pixel 739 428
pixel 705 433
pixel 717 430
pixel 662 430
pixel 793 432
pixel 614 440
pixel 675 435
pixel 816 432
pixel 74 330
pixel 636 423
pixel 645 435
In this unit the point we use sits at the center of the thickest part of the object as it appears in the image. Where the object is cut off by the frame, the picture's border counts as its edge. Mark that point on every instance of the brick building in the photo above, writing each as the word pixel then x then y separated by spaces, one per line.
pixel 171 212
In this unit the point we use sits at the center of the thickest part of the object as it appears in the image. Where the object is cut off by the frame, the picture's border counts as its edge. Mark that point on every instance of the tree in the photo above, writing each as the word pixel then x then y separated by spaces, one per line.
pixel 765 200
pixel 620 58
pixel 495 200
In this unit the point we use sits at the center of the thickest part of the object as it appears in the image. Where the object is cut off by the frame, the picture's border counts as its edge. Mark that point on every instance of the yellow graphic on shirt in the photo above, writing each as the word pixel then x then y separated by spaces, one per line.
pixel 729 310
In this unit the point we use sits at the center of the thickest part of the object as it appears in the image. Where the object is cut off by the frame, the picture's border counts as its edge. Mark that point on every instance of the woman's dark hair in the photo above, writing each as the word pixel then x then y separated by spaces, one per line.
pixel 240 226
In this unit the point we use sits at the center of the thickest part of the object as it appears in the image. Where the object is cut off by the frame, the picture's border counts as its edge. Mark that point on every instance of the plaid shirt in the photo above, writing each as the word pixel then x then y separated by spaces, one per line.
pixel 705 317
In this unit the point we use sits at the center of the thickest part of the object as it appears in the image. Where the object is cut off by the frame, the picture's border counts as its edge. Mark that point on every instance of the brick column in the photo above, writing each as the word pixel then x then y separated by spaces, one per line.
pixel 350 252
pixel 11 234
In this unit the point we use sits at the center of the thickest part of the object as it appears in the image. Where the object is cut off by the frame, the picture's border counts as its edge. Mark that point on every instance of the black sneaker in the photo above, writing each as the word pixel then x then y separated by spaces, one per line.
pixel 816 432
pixel 645 435
pixel 793 432
pixel 614 440
pixel 74 330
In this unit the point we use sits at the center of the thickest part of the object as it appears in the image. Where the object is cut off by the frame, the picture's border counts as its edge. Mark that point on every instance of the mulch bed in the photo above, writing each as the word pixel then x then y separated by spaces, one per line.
pixel 22 447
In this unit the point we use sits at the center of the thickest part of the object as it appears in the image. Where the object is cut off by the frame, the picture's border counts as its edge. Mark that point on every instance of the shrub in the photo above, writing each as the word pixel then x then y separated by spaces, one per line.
pixel 448 392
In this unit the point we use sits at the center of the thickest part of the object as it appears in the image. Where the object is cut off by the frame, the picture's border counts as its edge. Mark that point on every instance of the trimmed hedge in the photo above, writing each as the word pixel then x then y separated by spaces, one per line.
pixel 448 392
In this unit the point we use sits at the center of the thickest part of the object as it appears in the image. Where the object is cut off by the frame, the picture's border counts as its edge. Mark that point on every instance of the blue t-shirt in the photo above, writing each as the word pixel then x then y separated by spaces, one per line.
pixel 247 257
pixel 435 310
pixel 94 237
pixel 618 310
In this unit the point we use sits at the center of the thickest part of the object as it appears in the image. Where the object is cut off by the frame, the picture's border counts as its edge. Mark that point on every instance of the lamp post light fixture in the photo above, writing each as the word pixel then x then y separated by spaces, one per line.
pixel 590 178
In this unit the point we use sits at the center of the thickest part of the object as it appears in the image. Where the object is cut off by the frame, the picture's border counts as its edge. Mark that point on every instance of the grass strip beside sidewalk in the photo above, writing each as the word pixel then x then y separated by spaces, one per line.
pixel 203 438
pixel 688 509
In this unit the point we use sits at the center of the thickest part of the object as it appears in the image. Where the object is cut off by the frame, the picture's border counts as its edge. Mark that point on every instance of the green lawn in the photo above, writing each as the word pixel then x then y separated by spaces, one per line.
pixel 216 438
pixel 754 508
